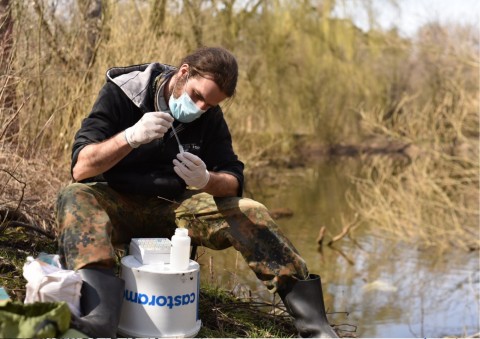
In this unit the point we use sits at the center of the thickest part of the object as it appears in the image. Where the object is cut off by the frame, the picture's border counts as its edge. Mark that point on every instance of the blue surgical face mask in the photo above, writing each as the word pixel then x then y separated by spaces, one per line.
pixel 183 108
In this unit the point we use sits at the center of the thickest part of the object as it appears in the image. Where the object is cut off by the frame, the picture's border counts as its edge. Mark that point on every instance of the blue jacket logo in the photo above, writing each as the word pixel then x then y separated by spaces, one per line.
pixel 152 300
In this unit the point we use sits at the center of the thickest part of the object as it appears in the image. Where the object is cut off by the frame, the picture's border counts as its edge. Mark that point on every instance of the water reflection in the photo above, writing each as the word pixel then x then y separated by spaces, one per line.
pixel 388 289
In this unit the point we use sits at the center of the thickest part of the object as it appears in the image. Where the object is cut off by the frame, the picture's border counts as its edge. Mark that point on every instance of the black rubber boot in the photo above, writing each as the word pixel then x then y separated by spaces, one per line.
pixel 100 302
pixel 304 302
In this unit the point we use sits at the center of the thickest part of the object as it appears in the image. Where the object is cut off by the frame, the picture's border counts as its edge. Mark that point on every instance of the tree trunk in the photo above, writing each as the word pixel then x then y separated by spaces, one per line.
pixel 10 126
pixel 157 16
pixel 92 16
pixel 193 9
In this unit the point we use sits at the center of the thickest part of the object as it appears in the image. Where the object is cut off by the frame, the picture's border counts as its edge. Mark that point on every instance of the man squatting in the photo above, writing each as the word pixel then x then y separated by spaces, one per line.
pixel 133 179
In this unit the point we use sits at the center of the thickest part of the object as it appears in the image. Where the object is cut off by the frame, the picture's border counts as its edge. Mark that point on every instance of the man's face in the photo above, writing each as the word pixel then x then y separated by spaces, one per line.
pixel 204 92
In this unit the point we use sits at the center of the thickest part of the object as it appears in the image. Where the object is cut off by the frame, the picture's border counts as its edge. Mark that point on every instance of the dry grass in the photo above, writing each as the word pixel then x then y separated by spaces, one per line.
pixel 28 188
pixel 432 199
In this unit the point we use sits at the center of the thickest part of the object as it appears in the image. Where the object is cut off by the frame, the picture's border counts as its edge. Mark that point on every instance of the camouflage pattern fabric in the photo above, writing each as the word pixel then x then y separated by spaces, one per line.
pixel 93 219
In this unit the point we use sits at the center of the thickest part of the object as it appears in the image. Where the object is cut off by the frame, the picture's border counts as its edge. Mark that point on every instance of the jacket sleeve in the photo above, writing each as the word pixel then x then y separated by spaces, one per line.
pixel 104 120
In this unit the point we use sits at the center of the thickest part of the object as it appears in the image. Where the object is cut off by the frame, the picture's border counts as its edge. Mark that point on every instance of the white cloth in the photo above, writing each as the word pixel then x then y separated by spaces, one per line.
pixel 48 283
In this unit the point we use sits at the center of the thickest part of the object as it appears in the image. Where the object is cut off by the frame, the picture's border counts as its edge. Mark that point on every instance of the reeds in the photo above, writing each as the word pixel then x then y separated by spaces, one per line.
pixel 430 196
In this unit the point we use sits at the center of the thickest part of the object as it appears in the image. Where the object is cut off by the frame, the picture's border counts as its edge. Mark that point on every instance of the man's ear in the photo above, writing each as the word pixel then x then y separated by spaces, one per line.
pixel 184 69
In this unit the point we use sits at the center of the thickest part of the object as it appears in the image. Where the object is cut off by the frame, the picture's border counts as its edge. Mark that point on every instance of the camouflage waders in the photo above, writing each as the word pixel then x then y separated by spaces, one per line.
pixel 93 218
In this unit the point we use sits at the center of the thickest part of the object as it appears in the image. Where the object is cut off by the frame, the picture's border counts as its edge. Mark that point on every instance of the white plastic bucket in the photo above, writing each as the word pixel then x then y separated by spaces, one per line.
pixel 158 302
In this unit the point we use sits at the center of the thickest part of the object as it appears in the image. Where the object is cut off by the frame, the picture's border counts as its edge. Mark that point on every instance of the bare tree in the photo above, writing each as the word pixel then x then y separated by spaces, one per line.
pixel 49 33
pixel 234 20
pixel 92 12
pixel 194 11
pixel 157 16
pixel 7 85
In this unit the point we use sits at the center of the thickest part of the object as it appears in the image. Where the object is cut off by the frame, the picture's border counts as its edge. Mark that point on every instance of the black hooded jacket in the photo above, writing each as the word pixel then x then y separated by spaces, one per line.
pixel 128 93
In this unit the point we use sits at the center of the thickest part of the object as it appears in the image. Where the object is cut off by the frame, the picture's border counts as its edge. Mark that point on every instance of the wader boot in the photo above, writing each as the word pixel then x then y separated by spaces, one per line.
pixel 100 302
pixel 304 302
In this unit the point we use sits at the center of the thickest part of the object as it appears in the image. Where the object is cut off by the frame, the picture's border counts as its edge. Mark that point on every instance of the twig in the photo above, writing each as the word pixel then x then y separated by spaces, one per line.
pixel 346 229
pixel 320 236
pixel 12 119
pixel 2 228
pixel 346 257
pixel 356 243
pixel 35 228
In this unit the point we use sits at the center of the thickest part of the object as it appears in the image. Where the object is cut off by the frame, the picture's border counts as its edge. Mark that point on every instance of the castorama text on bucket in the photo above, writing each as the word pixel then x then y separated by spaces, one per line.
pixel 152 300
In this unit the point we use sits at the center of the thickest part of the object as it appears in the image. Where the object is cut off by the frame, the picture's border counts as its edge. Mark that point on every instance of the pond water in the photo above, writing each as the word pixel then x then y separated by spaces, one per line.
pixel 375 287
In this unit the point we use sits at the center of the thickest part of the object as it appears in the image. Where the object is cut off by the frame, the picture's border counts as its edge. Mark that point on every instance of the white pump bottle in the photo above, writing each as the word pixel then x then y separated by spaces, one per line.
pixel 180 253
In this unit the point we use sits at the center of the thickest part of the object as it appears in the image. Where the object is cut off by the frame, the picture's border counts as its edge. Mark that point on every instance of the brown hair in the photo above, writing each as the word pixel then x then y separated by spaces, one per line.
pixel 217 63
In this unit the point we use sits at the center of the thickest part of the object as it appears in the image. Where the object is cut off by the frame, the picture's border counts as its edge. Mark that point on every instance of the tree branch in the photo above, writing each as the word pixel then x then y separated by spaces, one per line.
pixel 35 228
pixel 346 229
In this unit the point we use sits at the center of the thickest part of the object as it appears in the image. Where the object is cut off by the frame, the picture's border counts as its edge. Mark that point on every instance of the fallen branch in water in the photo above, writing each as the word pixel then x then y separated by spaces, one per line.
pixel 346 229
pixel 321 235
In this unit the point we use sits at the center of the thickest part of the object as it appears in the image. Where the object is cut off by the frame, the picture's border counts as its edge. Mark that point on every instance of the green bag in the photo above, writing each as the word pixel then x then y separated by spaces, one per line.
pixel 37 320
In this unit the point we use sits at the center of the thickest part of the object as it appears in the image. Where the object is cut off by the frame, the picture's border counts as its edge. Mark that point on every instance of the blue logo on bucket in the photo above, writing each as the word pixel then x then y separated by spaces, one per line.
pixel 162 300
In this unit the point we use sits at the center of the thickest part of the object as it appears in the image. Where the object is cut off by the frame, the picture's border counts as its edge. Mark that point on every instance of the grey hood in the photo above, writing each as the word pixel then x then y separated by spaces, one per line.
pixel 135 80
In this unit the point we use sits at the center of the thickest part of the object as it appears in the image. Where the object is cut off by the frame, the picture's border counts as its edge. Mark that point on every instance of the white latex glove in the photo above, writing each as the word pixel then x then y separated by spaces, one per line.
pixel 152 125
pixel 192 169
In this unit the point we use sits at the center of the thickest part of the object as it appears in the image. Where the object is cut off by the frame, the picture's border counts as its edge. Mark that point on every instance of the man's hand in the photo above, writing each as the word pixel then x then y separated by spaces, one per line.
pixel 152 125
pixel 192 169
